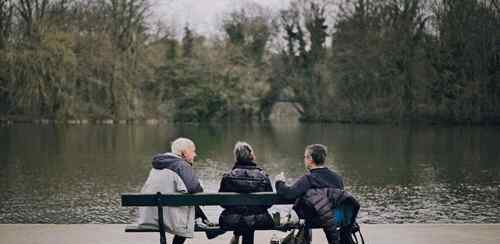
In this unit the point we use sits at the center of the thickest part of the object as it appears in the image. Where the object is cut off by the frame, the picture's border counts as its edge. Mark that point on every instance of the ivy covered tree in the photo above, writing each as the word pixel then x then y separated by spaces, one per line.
pixel 343 61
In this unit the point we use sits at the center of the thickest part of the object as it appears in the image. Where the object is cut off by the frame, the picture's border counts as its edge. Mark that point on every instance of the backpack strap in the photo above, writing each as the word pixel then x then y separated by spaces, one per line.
pixel 346 211
pixel 352 234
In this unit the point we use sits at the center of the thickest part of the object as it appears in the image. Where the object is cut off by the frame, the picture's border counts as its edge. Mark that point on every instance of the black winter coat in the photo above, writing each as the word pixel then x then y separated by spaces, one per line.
pixel 318 204
pixel 245 177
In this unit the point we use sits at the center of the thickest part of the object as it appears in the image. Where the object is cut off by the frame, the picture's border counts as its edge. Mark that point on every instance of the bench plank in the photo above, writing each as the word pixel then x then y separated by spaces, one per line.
pixel 154 228
pixel 204 199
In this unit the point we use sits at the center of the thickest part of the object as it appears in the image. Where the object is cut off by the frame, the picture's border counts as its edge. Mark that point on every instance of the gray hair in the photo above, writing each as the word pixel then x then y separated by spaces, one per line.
pixel 243 152
pixel 180 145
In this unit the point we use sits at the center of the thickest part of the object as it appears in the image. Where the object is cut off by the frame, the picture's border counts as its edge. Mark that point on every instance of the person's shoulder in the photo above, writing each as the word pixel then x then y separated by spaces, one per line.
pixel 261 171
pixel 245 171
pixel 166 158
pixel 166 155
pixel 159 157
pixel 247 168
pixel 329 170
pixel 334 173
pixel 337 180
pixel 257 166
pixel 177 164
pixel 306 177
pixel 182 165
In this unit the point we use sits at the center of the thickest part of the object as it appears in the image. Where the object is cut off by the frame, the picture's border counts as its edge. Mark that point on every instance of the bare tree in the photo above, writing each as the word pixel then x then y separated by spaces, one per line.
pixel 6 14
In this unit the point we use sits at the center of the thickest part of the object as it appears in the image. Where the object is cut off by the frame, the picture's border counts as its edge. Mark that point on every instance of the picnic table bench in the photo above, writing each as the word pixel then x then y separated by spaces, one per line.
pixel 201 199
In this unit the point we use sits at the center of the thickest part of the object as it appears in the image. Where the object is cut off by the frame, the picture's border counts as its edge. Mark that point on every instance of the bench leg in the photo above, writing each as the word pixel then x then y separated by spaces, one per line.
pixel 248 237
pixel 161 226
pixel 163 238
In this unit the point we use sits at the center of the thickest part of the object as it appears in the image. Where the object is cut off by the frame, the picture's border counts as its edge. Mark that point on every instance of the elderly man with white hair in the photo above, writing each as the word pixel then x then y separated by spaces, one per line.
pixel 173 172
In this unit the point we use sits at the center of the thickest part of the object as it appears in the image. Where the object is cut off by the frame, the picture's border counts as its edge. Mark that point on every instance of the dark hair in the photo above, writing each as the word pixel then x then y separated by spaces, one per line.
pixel 317 153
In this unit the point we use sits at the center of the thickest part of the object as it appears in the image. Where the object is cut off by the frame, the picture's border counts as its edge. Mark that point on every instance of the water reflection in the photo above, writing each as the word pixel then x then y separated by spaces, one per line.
pixel 74 174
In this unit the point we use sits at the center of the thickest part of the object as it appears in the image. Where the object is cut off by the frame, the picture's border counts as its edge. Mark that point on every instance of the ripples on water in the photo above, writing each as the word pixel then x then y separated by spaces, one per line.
pixel 385 205
pixel 433 204
pixel 76 175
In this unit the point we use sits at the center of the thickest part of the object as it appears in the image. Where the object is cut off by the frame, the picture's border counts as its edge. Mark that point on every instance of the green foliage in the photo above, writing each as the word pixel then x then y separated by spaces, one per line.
pixel 378 52
pixel 250 31
pixel 466 60
pixel 304 60
pixel 42 79
pixel 89 70
pixel 411 60
pixel 350 61
pixel 6 12
pixel 209 87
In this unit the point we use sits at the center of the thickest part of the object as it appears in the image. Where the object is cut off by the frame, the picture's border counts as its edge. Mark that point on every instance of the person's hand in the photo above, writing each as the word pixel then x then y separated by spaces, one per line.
pixel 204 223
pixel 208 222
pixel 280 177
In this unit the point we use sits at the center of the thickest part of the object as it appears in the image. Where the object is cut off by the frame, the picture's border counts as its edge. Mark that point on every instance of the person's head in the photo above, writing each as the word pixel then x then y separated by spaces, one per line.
pixel 185 148
pixel 315 156
pixel 243 152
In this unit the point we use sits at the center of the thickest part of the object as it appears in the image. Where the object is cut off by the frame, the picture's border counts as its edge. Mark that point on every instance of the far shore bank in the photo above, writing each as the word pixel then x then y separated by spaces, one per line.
pixel 45 121
pixel 158 121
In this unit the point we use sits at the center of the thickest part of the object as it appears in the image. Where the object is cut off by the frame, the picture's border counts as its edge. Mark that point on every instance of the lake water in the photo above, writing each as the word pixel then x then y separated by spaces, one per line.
pixel 75 174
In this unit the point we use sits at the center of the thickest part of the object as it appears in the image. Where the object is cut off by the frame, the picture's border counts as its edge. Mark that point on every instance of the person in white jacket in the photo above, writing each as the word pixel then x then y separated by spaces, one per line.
pixel 172 172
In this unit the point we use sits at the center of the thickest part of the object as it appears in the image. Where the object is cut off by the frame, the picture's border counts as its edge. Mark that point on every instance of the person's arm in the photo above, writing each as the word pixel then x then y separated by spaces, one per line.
pixel 294 191
pixel 222 186
pixel 190 180
pixel 269 186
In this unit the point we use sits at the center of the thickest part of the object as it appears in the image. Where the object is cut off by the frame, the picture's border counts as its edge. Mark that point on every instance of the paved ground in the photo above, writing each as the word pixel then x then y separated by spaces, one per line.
pixel 374 234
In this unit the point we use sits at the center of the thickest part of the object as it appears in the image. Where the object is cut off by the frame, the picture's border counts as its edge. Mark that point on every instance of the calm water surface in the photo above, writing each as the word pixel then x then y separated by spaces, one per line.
pixel 75 174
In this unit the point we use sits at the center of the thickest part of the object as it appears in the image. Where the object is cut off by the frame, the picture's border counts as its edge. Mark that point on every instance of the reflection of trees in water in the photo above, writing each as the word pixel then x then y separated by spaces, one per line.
pixel 400 174
pixel 397 155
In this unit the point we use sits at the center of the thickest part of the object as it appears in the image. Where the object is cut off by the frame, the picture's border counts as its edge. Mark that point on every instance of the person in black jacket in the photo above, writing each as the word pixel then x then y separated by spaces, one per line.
pixel 319 176
pixel 245 177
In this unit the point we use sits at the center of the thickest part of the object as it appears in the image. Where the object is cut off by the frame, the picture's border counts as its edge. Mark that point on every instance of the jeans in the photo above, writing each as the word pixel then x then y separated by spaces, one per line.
pixel 248 236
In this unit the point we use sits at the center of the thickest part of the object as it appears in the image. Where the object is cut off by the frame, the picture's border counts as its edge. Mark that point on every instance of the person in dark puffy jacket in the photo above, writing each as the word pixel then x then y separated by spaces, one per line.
pixel 245 177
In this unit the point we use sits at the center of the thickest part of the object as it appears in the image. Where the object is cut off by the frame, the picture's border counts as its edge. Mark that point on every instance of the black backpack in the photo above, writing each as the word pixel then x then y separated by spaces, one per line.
pixel 336 210
pixel 346 209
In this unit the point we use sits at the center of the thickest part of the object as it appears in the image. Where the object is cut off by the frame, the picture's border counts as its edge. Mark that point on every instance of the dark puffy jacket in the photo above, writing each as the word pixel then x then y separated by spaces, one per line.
pixel 245 177
pixel 327 206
